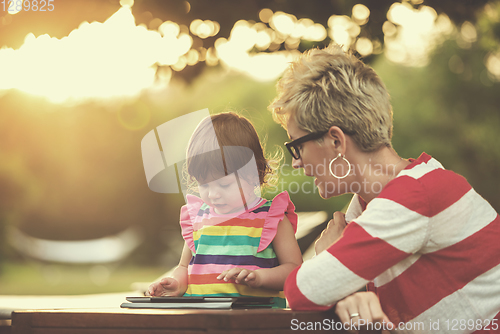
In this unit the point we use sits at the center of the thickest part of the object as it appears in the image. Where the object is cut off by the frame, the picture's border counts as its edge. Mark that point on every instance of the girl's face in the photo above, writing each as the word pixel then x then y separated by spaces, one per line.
pixel 224 194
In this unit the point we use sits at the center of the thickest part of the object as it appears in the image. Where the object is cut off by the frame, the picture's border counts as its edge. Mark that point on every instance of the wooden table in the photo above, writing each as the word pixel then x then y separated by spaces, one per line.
pixel 5 326
pixel 128 321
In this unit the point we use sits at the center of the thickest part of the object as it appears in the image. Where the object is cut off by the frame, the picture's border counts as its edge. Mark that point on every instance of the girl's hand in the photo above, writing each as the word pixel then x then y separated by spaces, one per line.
pixel 362 305
pixel 165 287
pixel 331 233
pixel 243 276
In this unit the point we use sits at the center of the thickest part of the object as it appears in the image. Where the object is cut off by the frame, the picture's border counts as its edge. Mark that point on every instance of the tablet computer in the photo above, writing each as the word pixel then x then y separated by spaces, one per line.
pixel 198 302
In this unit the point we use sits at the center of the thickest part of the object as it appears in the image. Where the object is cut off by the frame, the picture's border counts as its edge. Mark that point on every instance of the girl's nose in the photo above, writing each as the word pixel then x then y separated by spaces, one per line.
pixel 213 193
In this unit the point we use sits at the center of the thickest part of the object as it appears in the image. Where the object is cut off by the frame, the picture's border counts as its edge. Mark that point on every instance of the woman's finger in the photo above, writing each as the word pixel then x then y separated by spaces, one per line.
pixel 342 311
pixel 365 312
pixel 339 219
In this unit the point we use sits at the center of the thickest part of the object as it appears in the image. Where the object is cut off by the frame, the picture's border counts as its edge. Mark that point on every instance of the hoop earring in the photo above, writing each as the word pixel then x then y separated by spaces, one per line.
pixel 348 164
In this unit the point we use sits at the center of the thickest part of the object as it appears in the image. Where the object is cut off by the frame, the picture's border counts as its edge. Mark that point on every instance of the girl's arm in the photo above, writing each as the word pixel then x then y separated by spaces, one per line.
pixel 289 257
pixel 175 285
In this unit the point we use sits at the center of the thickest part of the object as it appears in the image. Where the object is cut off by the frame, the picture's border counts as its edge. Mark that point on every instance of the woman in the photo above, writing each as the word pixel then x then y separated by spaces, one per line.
pixel 417 235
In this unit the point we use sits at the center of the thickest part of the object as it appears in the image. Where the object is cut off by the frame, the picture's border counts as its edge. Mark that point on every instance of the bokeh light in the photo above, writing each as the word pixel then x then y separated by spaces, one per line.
pixel 283 23
pixel 204 29
pixel 411 34
pixel 97 60
pixel 265 15
pixel 118 58
pixel 493 65
pixel 364 46
pixel 360 14
pixel 343 30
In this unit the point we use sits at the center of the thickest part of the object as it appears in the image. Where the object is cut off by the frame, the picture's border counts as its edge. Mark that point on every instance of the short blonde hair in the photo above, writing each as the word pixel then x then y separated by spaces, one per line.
pixel 330 87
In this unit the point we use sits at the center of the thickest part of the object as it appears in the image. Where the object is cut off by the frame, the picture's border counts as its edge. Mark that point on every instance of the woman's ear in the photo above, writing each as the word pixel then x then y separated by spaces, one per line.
pixel 337 138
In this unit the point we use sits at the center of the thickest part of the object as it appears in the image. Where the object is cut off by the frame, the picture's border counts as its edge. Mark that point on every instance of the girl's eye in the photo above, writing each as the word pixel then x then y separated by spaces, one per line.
pixel 225 185
pixel 203 186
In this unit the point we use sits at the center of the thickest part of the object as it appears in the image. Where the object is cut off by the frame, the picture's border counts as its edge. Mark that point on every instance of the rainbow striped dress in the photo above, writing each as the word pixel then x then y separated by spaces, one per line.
pixel 221 242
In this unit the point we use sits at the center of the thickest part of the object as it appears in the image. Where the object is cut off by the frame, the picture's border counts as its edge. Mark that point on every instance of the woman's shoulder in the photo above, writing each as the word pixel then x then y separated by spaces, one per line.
pixel 430 173
pixel 421 166
pixel 425 186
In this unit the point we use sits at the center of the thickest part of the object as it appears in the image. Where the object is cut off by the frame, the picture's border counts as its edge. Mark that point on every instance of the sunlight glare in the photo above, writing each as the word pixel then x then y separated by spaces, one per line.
pixel 96 60
pixel 128 3
pixel 343 30
pixel 235 52
pixel 283 22
pixel 263 39
pixel 493 65
pixel 243 37
pixel 211 58
pixel 468 32
pixel 364 46
pixel 411 34
pixel 308 30
pixel 360 14
pixel 261 66
pixel 265 15
pixel 204 29
pixel 192 57
pixel 169 28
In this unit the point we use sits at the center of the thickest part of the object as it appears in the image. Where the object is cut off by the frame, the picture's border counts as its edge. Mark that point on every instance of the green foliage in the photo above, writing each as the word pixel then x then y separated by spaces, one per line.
pixel 450 114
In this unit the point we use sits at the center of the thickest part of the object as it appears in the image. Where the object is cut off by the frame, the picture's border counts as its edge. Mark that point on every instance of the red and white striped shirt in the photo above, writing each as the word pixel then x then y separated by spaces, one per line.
pixel 428 245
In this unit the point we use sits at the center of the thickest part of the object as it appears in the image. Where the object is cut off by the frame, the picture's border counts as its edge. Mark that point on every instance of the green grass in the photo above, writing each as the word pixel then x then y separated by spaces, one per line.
pixel 52 279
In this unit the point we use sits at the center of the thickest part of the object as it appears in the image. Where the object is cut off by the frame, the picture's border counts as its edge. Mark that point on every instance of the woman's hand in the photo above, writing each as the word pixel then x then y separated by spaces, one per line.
pixel 362 305
pixel 243 276
pixel 165 287
pixel 331 233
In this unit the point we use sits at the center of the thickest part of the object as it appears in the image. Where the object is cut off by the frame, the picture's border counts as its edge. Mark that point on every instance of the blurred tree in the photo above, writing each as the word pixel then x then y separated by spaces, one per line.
pixel 228 12
pixel 449 109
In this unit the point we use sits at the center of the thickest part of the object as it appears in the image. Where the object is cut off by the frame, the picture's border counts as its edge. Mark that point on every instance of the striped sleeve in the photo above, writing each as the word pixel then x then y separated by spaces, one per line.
pixel 393 227
pixel 428 245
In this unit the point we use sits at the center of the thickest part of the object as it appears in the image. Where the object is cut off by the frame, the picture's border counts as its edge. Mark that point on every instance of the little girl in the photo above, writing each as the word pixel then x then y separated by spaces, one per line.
pixel 236 243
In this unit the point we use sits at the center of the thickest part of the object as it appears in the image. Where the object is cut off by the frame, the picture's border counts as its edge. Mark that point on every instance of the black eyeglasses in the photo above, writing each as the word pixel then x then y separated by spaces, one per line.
pixel 293 145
